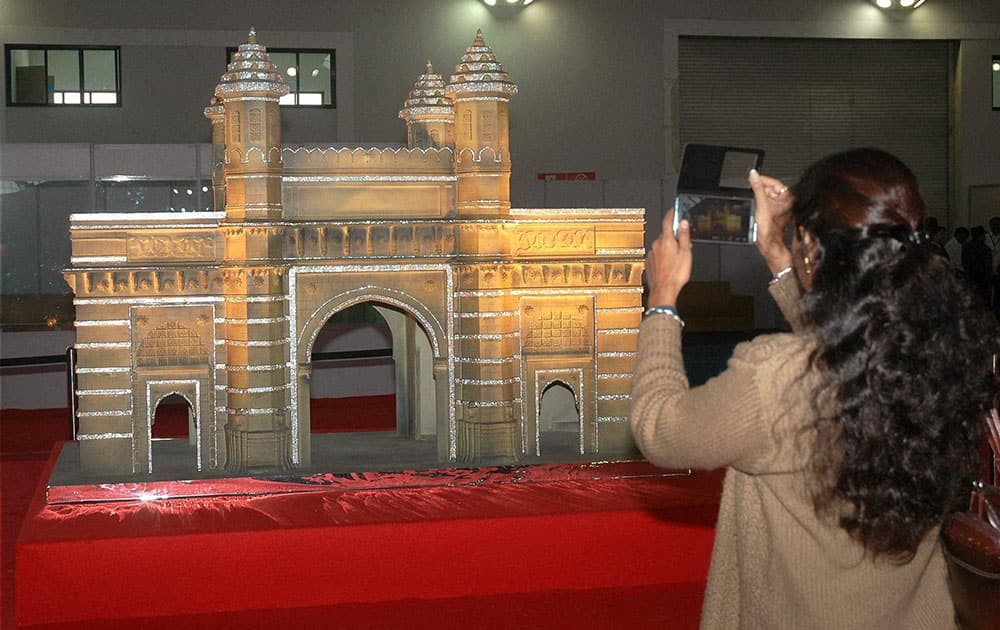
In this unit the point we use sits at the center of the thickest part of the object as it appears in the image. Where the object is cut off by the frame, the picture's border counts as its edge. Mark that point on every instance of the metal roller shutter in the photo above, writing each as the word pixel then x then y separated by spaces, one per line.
pixel 801 99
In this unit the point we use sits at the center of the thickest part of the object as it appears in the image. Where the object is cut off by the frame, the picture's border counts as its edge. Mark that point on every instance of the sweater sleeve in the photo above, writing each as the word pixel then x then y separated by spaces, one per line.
pixel 717 424
pixel 786 295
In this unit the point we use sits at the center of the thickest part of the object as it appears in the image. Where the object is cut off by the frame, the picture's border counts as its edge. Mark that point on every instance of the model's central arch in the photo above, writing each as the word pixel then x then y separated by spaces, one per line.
pixel 420 352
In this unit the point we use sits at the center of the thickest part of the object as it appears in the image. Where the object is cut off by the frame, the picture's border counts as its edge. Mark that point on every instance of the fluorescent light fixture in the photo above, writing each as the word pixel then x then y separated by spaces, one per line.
pixel 508 3
pixel 898 4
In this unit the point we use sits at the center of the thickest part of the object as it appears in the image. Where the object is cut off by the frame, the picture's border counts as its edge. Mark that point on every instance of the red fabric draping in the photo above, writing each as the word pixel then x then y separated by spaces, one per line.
pixel 572 553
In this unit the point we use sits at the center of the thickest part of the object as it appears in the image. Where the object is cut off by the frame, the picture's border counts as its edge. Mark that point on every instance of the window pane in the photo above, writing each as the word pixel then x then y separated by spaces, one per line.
pixel 286 68
pixel 310 98
pixel 28 82
pixel 103 98
pixel 99 71
pixel 64 72
pixel 41 76
pixel 314 79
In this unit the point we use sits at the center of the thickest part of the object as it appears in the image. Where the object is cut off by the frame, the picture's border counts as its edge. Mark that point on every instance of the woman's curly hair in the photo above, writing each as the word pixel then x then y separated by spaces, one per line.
pixel 904 351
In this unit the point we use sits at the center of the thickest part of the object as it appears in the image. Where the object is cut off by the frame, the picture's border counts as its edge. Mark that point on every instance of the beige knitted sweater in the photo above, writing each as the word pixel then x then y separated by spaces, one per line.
pixel 775 564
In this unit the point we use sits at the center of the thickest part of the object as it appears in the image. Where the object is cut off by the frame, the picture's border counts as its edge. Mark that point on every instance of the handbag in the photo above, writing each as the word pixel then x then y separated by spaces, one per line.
pixel 971 544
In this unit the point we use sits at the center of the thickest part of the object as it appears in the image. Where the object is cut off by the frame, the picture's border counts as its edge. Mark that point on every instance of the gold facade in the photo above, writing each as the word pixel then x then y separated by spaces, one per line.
pixel 223 308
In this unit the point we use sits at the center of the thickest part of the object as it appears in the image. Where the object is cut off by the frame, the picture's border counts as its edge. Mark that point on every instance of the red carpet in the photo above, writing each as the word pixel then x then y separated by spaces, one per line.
pixel 328 415
pixel 608 554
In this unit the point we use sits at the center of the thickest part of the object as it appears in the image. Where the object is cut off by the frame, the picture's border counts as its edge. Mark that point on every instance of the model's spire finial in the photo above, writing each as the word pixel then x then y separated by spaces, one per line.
pixel 430 68
pixel 252 37
pixel 479 41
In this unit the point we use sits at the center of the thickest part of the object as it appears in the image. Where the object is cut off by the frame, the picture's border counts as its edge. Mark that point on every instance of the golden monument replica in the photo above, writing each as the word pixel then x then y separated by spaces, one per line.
pixel 488 305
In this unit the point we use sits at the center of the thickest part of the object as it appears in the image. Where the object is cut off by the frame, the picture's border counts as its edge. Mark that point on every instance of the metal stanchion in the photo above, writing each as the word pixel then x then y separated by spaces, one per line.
pixel 71 382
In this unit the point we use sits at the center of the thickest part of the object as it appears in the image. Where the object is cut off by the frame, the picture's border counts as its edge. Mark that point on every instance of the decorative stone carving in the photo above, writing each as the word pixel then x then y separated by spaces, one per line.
pixel 171 344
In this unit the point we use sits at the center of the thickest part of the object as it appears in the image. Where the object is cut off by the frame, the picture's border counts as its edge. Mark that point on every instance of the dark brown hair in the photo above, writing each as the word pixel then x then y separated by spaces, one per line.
pixel 903 346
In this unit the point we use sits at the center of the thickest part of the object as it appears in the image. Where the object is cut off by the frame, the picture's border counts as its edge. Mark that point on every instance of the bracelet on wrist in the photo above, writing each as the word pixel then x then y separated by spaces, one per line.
pixel 781 274
pixel 664 310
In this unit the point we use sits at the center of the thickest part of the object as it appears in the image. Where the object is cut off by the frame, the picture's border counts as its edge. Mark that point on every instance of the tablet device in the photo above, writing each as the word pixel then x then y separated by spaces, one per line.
pixel 714 195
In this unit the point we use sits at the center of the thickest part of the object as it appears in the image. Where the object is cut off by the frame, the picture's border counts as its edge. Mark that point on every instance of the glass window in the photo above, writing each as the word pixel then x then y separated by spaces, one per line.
pixel 309 75
pixel 143 195
pixel 34 228
pixel 51 75
pixel 996 81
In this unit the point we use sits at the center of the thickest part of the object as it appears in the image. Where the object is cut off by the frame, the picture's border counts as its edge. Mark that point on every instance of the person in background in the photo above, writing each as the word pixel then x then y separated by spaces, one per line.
pixel 954 247
pixel 993 241
pixel 938 237
pixel 977 260
pixel 846 441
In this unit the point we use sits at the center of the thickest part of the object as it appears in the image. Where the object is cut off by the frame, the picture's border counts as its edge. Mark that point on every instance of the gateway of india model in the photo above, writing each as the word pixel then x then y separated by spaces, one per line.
pixel 487 305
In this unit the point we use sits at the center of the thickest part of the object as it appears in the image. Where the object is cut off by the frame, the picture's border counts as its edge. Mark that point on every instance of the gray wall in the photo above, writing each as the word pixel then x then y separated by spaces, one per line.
pixel 598 80
pixel 591 72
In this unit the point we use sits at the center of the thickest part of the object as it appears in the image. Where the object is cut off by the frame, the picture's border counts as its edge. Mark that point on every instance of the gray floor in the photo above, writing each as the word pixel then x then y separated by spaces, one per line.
pixel 331 453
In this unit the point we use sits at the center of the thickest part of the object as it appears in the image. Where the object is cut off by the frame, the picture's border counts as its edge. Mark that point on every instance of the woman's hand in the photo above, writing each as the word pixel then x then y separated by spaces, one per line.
pixel 774 204
pixel 668 263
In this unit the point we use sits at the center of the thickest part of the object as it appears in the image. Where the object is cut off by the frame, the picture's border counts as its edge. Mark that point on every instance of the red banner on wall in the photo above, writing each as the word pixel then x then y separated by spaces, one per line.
pixel 577 176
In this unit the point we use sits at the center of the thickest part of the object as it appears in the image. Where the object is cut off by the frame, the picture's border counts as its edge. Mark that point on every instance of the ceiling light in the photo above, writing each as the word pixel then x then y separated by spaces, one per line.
pixel 507 3
pixel 291 71
pixel 996 67
pixel 315 72
pixel 898 4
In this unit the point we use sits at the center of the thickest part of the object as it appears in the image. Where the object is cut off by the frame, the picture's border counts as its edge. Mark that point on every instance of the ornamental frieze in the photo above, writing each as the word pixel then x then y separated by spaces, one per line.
pixel 405 240
pixel 198 246
pixel 545 241
pixel 516 276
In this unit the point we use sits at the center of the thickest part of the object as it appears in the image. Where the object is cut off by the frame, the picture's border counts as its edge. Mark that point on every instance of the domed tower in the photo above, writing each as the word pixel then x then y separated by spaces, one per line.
pixel 429 114
pixel 249 91
pixel 255 329
pixel 481 91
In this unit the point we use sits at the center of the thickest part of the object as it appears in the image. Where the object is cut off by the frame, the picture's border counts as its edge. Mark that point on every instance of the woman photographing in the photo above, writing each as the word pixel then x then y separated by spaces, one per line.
pixel 846 441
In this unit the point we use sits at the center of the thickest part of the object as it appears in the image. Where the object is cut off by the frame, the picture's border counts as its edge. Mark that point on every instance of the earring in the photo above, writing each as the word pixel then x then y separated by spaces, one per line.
pixel 805 260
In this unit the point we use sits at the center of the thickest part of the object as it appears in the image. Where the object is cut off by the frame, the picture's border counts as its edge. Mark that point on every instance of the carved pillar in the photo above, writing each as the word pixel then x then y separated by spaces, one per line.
pixel 305 414
pixel 258 434
pixel 443 407
pixel 488 391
